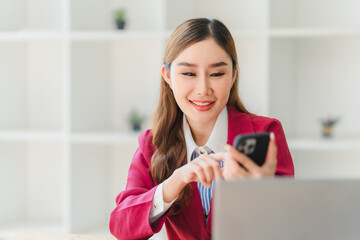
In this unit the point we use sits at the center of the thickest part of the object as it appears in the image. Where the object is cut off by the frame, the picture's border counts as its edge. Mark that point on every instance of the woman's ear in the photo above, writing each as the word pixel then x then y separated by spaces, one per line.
pixel 165 74
pixel 235 73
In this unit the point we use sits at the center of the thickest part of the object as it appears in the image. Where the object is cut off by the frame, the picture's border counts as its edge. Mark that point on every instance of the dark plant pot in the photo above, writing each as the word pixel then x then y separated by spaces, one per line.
pixel 136 127
pixel 327 131
pixel 120 24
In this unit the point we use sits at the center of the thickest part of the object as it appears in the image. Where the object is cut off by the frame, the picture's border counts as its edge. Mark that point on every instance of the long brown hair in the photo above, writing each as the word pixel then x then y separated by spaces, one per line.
pixel 168 135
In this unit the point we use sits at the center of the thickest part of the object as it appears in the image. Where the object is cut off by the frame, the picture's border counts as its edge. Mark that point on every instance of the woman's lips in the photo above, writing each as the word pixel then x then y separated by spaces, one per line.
pixel 202 105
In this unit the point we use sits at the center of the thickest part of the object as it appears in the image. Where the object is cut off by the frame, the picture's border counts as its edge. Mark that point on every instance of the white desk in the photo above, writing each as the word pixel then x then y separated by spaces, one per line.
pixel 53 236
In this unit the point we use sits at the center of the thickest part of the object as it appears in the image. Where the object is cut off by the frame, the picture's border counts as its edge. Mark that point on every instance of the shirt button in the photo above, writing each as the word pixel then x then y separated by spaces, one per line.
pixel 155 206
pixel 202 152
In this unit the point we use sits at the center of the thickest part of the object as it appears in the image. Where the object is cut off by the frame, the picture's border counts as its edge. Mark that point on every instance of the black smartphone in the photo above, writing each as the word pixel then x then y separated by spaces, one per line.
pixel 254 146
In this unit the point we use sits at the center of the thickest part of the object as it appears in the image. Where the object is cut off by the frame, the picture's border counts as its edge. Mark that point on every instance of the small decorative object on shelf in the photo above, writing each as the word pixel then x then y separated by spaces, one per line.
pixel 120 18
pixel 327 126
pixel 136 120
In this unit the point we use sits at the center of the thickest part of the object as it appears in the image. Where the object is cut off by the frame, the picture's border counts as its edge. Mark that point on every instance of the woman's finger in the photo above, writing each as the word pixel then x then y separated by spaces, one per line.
pixel 198 170
pixel 207 168
pixel 218 156
pixel 248 164
pixel 213 166
pixel 214 161
pixel 232 170
pixel 271 156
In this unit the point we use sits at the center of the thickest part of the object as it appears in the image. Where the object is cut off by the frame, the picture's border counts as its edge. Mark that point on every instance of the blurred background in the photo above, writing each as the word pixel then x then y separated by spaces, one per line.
pixel 74 85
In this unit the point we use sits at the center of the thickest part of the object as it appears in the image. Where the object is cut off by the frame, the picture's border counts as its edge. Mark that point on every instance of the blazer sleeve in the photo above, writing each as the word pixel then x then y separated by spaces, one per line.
pixel 285 164
pixel 130 218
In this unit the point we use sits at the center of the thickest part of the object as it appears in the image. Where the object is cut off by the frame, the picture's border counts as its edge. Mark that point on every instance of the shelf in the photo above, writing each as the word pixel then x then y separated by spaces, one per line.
pixel 148 34
pixel 110 35
pixel 31 36
pixel 58 136
pixel 22 136
pixel 114 35
pixel 311 32
pixel 21 36
pixel 314 13
pixel 105 138
pixel 324 144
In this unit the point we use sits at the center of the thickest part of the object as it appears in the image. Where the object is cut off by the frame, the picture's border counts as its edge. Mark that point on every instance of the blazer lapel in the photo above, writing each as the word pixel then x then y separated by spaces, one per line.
pixel 238 123
pixel 193 215
pixel 209 221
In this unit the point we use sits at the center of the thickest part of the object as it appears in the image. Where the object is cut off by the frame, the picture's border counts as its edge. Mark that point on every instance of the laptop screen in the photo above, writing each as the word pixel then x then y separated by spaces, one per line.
pixel 287 209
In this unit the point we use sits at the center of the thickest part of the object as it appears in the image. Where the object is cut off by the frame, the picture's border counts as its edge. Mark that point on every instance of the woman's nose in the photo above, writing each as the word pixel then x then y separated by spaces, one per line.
pixel 203 85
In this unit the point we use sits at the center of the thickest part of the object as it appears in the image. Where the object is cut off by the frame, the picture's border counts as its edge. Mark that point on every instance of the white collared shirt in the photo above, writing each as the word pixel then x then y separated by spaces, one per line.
pixel 217 139
pixel 216 143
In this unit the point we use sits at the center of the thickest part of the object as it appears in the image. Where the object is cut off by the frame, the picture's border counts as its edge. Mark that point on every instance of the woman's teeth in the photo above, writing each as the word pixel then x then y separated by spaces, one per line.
pixel 201 104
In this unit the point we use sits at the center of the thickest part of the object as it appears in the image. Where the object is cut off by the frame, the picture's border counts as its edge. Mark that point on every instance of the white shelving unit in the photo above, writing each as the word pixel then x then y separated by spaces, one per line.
pixel 68 79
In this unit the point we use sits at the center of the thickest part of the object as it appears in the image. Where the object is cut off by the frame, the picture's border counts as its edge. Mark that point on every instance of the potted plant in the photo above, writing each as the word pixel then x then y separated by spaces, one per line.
pixel 119 16
pixel 136 120
pixel 327 126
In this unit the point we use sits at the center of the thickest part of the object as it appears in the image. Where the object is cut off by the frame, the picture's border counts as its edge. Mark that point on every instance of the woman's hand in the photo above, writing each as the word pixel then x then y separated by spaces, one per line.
pixel 232 169
pixel 204 169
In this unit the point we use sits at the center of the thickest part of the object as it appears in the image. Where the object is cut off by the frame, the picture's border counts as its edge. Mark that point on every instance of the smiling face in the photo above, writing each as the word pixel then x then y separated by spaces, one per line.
pixel 201 77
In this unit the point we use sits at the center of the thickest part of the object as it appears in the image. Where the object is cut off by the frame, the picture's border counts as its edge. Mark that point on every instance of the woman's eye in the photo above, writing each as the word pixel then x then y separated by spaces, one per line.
pixel 190 74
pixel 217 74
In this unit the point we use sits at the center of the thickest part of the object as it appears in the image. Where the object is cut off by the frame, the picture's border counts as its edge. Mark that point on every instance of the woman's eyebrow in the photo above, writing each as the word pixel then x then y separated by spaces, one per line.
pixel 186 64
pixel 219 64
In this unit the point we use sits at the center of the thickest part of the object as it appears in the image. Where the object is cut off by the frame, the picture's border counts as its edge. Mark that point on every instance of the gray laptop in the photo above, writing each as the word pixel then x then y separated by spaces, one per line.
pixel 287 209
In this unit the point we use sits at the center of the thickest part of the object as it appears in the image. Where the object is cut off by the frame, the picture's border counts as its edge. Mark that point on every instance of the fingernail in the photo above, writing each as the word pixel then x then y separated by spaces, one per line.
pixel 272 136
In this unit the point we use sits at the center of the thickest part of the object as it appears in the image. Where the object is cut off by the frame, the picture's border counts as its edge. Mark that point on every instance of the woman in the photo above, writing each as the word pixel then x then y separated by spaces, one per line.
pixel 171 177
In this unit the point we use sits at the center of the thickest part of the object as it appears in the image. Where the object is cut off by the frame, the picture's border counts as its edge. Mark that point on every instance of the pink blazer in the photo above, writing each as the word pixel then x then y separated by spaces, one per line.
pixel 130 218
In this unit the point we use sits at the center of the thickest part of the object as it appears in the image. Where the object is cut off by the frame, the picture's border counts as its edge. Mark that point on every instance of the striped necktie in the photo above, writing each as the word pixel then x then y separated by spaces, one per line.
pixel 205 192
